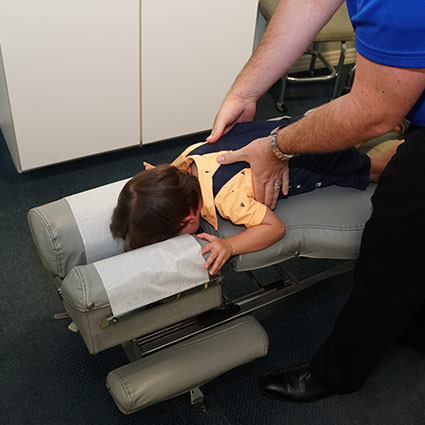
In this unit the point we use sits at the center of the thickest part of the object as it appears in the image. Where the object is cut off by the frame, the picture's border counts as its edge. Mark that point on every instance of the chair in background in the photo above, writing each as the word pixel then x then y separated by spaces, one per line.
pixel 338 29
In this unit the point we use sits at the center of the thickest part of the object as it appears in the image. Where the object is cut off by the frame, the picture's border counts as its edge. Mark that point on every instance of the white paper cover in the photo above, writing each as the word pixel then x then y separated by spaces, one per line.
pixel 92 211
pixel 152 273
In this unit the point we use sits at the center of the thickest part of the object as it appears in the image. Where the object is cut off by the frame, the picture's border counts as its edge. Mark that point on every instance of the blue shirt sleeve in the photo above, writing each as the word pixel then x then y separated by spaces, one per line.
pixel 390 32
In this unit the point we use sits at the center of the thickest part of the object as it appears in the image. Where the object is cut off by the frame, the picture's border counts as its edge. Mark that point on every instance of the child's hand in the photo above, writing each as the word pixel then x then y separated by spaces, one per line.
pixel 220 250
pixel 148 166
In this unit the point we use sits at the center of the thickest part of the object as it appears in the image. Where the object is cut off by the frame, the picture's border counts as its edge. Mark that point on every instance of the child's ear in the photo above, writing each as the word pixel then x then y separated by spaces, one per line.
pixel 190 219
pixel 189 225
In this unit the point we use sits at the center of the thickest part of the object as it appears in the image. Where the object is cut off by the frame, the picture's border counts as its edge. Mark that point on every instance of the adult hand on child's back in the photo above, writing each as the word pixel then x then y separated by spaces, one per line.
pixel 220 251
pixel 268 173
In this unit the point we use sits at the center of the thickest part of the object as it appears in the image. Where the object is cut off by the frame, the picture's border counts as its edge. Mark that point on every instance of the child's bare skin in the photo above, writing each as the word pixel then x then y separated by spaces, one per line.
pixel 378 162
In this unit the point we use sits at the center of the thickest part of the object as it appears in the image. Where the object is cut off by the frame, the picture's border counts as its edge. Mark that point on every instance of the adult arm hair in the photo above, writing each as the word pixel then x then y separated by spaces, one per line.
pixel 379 100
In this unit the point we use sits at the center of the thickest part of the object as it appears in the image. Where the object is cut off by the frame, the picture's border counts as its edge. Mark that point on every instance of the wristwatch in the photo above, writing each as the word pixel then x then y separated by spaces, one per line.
pixel 275 148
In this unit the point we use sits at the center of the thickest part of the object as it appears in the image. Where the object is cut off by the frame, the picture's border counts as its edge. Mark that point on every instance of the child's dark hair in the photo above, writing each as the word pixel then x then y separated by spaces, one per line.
pixel 152 206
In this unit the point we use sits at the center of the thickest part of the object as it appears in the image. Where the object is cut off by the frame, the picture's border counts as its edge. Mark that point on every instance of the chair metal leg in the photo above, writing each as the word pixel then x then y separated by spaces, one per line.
pixel 330 76
pixel 350 79
pixel 280 104
pixel 335 74
pixel 337 83
pixel 315 47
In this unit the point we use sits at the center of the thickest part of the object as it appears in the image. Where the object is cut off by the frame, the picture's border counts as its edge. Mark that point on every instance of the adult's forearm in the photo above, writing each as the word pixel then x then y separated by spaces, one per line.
pixel 381 97
pixel 288 34
pixel 335 126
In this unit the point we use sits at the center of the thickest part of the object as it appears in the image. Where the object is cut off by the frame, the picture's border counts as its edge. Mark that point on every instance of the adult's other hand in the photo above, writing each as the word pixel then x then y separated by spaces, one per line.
pixel 234 109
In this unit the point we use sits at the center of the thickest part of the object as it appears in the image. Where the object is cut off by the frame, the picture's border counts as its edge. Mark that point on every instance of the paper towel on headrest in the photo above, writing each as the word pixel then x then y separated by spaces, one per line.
pixel 92 211
pixel 140 277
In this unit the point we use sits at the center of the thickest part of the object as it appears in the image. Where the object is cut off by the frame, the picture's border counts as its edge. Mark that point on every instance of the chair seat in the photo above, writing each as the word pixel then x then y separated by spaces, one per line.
pixel 339 28
pixel 267 8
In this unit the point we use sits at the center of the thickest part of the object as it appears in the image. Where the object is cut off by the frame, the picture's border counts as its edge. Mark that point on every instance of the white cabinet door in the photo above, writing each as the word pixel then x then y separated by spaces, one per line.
pixel 71 82
pixel 192 50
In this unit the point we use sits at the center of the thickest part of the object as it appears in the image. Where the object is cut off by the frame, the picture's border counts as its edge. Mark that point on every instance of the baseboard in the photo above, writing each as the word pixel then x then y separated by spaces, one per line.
pixel 332 56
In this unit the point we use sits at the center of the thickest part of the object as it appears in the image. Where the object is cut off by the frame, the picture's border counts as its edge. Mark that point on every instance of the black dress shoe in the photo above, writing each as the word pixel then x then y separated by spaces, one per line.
pixel 294 384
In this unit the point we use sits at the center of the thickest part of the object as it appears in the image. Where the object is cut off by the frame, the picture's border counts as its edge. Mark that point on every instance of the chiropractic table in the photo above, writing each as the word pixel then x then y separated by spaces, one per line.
pixel 162 307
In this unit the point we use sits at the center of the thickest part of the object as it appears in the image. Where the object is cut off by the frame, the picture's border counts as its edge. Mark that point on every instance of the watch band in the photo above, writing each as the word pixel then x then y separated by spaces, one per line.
pixel 275 148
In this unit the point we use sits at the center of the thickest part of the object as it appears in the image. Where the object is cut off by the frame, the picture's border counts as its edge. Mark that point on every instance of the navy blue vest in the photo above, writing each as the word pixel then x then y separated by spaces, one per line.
pixel 239 136
pixel 349 168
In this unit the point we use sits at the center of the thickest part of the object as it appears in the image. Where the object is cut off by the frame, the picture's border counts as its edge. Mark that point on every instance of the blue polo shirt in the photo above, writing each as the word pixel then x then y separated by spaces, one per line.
pixel 392 32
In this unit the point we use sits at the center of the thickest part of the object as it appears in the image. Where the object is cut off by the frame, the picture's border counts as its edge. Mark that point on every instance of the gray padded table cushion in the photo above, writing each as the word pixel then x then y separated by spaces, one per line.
pixel 83 286
pixel 187 365
pixel 84 289
pixel 60 235
pixel 332 218
pixel 87 303
pixel 57 238
pixel 325 223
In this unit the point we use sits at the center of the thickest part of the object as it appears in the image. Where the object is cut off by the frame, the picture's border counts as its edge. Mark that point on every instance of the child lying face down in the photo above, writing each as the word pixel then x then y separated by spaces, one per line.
pixel 169 200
